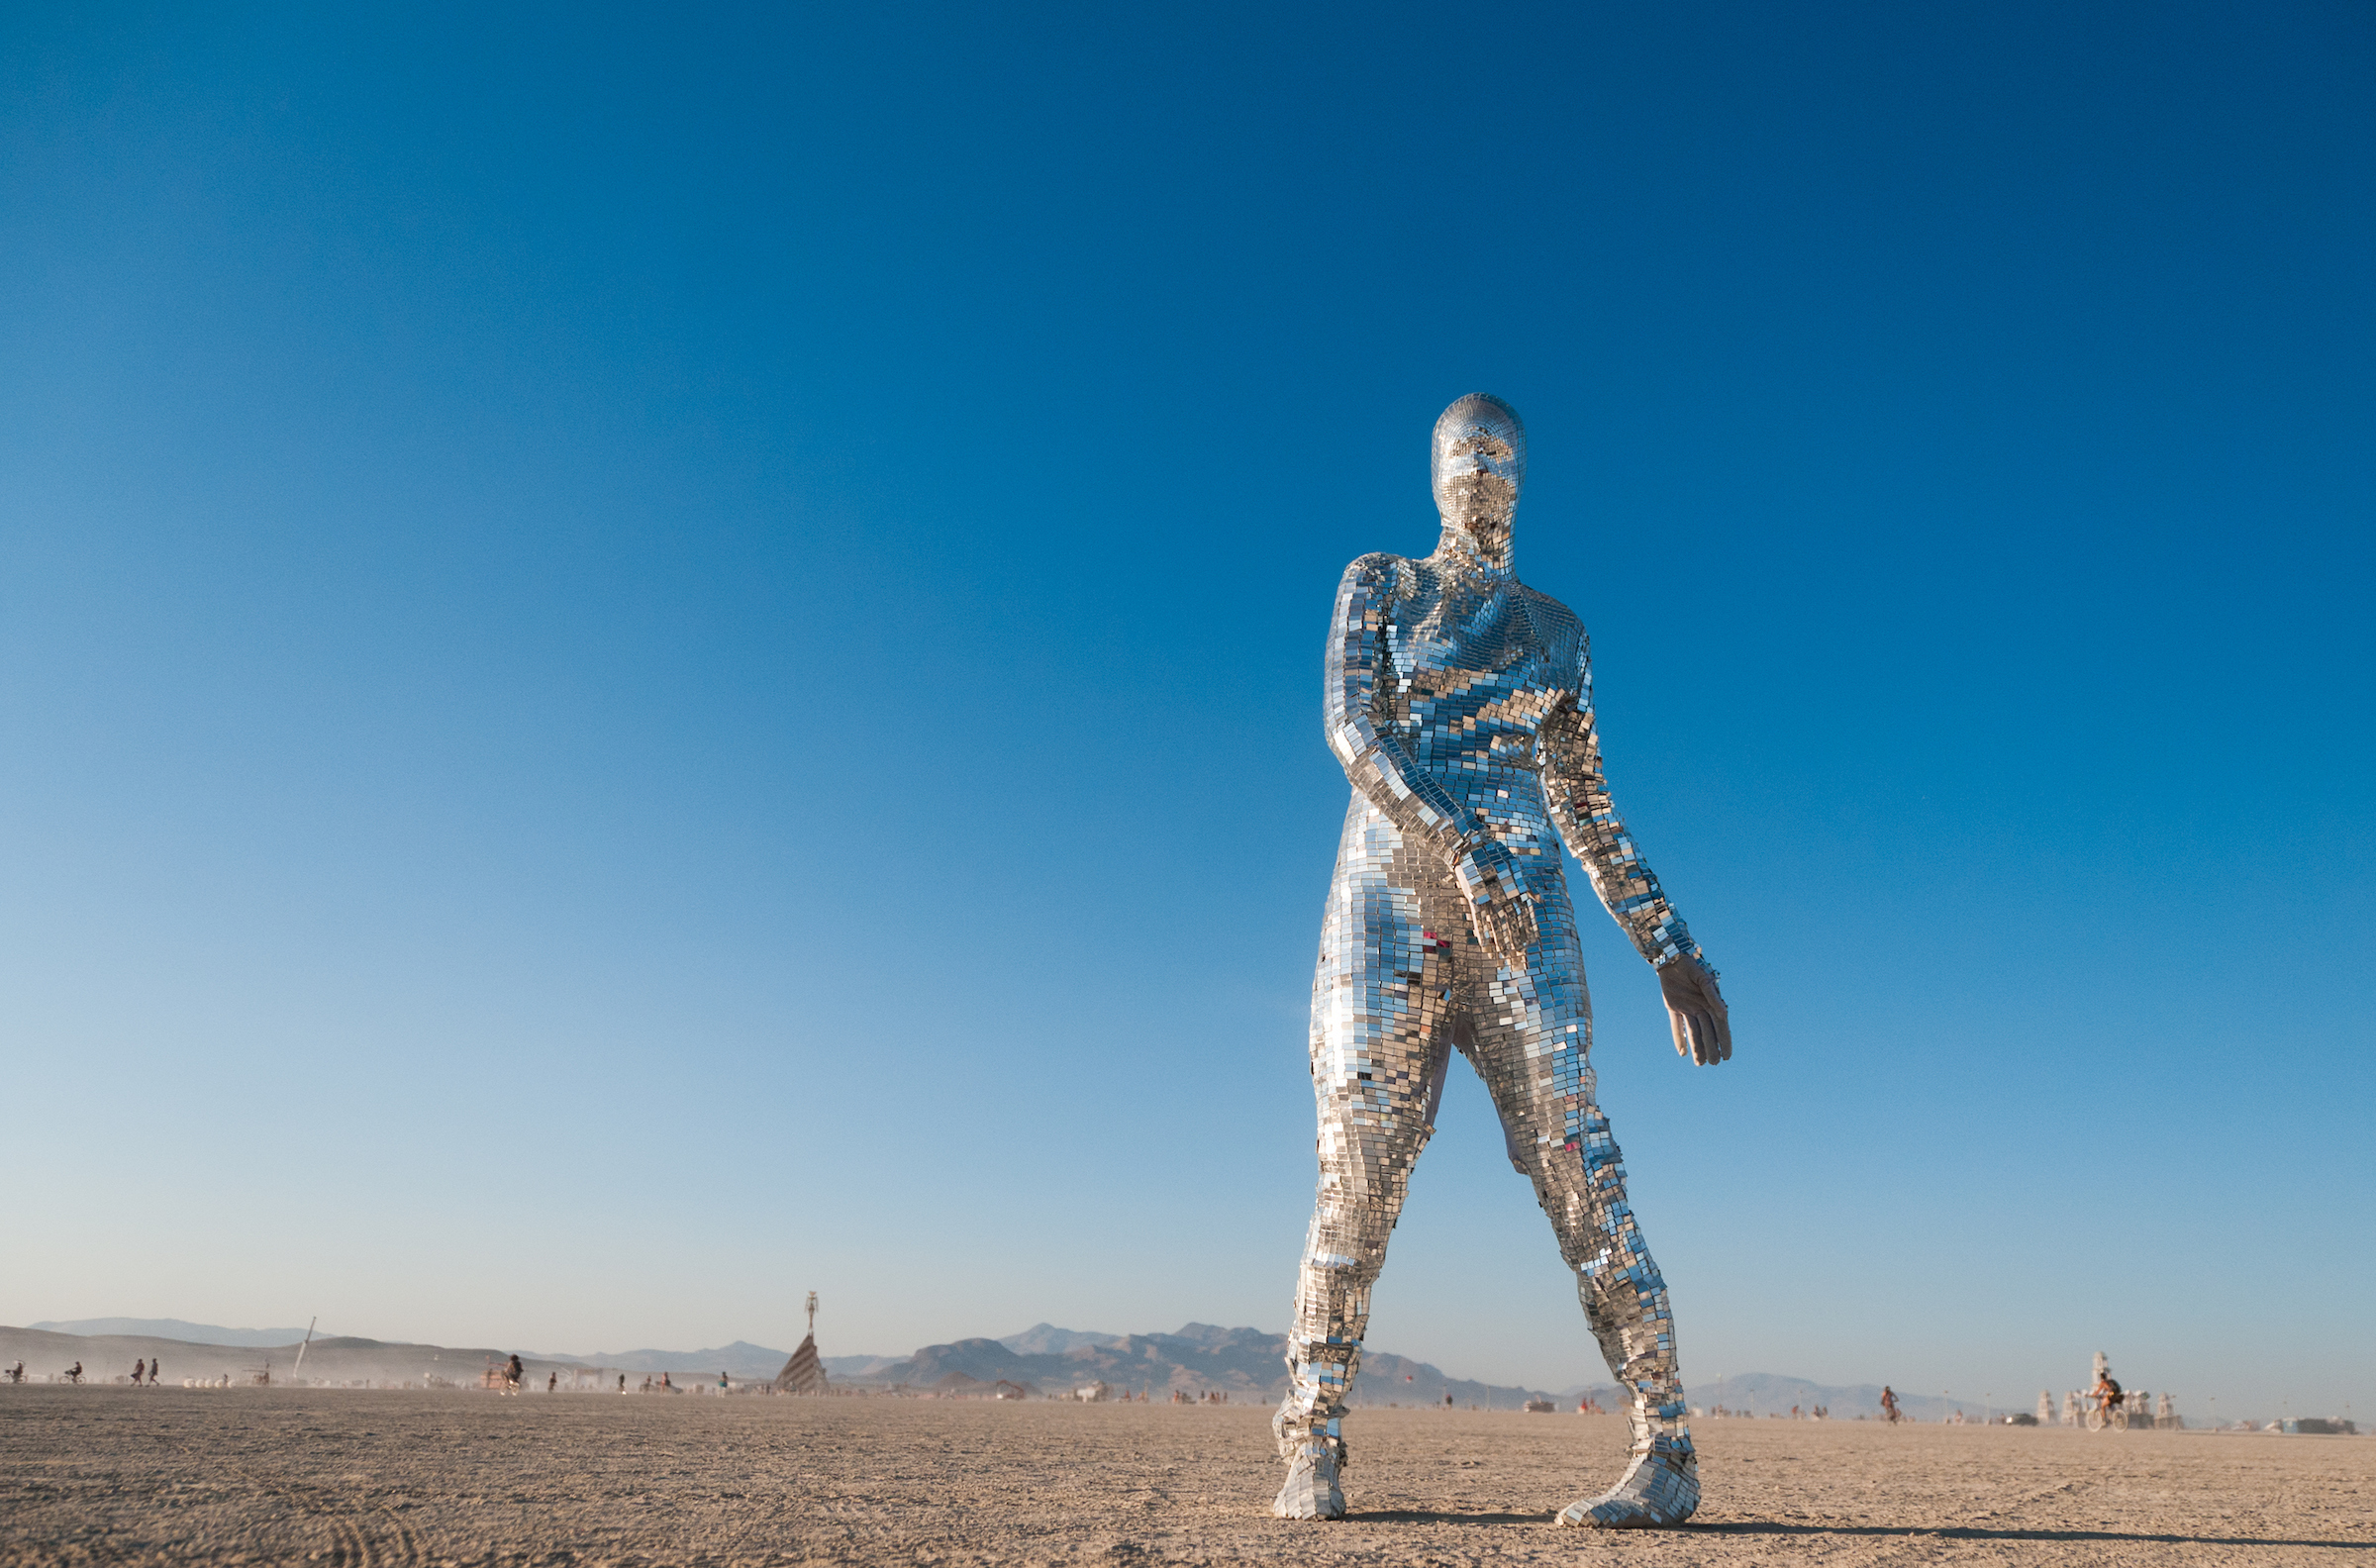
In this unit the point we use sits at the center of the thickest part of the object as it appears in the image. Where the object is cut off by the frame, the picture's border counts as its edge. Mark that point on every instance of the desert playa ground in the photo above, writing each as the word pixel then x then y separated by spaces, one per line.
pixel 333 1477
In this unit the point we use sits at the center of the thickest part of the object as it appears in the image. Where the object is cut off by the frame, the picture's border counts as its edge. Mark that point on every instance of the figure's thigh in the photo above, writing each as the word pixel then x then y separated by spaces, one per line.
pixel 1529 1034
pixel 1381 1012
pixel 1530 1040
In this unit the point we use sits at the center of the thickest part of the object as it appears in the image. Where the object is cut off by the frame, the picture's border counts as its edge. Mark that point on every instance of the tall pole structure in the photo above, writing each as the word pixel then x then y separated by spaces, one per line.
pixel 812 1314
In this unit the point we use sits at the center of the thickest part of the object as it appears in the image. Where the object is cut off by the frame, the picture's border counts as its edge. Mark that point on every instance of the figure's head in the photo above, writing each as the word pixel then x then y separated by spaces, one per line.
pixel 1479 461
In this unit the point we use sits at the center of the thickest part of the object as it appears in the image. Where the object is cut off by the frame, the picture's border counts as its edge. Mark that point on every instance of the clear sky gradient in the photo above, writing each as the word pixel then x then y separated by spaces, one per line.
pixel 651 659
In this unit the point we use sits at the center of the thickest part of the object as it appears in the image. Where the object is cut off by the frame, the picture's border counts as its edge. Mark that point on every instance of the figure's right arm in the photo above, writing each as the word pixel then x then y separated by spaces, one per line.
pixel 1360 704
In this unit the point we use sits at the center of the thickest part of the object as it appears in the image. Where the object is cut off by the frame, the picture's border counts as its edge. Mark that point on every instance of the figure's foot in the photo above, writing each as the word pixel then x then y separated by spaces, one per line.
pixel 1660 1489
pixel 1311 1492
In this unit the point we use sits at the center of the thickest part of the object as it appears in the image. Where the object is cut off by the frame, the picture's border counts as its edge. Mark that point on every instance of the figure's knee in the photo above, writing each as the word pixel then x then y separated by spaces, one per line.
pixel 1528 1150
pixel 1576 1157
pixel 1347 1242
pixel 1365 1150
pixel 1587 1209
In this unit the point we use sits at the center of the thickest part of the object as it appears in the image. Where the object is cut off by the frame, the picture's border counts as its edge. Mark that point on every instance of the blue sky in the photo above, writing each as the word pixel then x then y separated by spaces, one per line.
pixel 654 660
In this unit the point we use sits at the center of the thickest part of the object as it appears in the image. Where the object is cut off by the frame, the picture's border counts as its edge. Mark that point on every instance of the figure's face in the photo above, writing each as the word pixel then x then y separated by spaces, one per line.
pixel 1480 462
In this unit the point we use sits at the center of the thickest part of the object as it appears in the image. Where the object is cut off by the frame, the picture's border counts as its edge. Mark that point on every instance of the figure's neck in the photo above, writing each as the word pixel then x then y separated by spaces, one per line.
pixel 1462 551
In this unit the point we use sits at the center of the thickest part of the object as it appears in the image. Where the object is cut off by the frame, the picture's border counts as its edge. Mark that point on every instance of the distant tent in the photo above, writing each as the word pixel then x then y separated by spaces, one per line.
pixel 804 1373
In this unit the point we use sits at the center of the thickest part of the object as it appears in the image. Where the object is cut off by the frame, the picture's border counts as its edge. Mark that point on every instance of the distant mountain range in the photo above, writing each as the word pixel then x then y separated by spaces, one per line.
pixel 1245 1363
pixel 174 1328
pixel 741 1359
pixel 1049 1340
pixel 1766 1394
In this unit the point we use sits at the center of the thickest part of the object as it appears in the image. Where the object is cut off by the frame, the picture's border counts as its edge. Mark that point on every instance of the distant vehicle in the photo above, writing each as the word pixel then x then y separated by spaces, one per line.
pixel 1540 1407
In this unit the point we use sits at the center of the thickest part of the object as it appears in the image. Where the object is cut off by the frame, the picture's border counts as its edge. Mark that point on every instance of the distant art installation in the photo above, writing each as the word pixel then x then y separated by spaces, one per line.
pixel 1460 703
pixel 805 1373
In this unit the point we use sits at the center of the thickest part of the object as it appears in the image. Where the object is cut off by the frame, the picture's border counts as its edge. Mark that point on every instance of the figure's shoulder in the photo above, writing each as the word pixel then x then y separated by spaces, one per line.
pixel 1393 576
pixel 1560 627
pixel 1543 607
pixel 1376 565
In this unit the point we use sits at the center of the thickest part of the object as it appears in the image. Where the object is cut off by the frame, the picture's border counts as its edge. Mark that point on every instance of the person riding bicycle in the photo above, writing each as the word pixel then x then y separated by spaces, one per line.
pixel 2107 1392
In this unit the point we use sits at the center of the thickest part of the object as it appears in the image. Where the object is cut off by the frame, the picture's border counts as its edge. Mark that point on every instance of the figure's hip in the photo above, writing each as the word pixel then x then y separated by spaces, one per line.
pixel 1370 845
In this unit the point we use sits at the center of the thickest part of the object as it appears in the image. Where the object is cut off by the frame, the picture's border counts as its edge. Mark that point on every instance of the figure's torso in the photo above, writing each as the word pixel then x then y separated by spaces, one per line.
pixel 1478 662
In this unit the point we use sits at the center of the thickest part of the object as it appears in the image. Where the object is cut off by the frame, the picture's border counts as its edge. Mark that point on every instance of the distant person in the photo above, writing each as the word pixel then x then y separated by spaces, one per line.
pixel 2107 1392
pixel 553 1382
pixel 15 1374
pixel 623 1383
pixel 720 1382
pixel 140 1371
pixel 666 1387
pixel 1889 1405
pixel 154 1367
pixel 511 1375
pixel 75 1373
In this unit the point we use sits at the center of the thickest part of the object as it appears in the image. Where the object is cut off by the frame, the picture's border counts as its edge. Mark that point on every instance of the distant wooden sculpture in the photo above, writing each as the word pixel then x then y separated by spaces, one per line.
pixel 804 1373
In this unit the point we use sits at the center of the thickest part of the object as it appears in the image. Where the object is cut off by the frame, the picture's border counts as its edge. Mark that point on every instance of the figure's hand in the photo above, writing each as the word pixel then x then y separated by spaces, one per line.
pixel 1499 905
pixel 1695 1009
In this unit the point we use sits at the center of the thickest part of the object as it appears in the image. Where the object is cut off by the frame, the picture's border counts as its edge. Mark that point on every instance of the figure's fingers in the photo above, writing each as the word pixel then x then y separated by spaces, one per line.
pixel 1682 1030
pixel 1702 984
pixel 1723 1034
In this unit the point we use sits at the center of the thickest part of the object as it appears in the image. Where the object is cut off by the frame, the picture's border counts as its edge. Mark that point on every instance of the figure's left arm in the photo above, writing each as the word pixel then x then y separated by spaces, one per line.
pixel 1581 809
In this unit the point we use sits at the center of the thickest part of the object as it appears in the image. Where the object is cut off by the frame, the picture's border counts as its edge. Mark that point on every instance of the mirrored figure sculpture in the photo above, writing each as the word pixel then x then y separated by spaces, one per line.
pixel 1460 702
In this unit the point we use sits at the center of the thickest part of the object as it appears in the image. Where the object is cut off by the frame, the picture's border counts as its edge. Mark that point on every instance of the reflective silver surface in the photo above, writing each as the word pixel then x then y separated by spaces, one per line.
pixel 1460 702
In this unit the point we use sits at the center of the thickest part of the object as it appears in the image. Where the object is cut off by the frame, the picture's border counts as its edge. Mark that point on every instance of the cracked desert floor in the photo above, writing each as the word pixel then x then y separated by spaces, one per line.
pixel 130 1476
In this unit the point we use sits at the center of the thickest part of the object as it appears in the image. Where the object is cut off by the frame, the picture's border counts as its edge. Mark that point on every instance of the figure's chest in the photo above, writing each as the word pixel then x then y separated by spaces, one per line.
pixel 1498 657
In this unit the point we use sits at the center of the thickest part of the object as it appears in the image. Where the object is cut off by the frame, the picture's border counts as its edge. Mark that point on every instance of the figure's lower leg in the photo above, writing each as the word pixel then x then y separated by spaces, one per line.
pixel 1324 1355
pixel 1661 1483
pixel 1626 1304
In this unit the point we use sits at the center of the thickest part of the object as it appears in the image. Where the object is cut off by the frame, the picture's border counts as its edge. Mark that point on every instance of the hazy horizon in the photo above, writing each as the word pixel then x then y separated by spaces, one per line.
pixel 1927 1404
